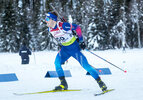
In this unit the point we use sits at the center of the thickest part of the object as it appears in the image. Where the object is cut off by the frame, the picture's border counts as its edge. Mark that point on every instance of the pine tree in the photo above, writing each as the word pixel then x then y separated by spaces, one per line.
pixel 9 37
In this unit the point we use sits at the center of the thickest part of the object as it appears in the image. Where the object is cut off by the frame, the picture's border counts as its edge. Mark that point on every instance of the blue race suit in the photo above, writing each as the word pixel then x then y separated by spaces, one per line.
pixel 70 47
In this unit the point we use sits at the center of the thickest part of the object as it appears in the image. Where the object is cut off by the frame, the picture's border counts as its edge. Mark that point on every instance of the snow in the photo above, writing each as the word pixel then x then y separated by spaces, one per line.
pixel 20 4
pixel 128 86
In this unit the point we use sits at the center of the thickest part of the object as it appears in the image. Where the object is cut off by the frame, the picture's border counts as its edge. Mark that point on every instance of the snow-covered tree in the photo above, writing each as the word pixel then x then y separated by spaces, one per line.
pixel 8 33
pixel 135 16
pixel 106 24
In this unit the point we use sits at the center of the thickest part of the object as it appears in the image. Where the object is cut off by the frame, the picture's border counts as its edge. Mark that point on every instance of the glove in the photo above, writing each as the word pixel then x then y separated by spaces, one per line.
pixel 82 45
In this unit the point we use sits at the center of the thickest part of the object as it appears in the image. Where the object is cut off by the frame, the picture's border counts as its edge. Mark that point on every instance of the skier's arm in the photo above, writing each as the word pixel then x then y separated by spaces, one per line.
pixel 78 32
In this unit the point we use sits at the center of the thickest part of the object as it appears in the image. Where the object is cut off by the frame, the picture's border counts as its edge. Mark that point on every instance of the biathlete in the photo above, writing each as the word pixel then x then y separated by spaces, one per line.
pixel 62 32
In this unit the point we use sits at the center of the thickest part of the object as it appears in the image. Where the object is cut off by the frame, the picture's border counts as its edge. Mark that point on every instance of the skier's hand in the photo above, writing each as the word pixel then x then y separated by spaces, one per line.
pixel 82 45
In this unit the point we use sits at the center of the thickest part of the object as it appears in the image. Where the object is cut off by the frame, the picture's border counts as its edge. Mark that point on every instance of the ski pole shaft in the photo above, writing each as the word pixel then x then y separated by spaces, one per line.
pixel 34 55
pixel 106 61
pixel 62 19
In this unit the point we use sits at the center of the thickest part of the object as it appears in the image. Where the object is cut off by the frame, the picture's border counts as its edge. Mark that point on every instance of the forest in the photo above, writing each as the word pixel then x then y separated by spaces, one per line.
pixel 105 24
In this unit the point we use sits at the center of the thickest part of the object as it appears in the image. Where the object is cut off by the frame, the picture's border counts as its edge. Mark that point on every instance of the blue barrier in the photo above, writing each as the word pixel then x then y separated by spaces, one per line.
pixel 53 74
pixel 8 77
pixel 102 71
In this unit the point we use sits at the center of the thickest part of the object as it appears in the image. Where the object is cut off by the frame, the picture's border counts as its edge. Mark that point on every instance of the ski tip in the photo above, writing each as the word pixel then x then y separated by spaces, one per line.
pixel 125 71
pixel 109 90
pixel 17 94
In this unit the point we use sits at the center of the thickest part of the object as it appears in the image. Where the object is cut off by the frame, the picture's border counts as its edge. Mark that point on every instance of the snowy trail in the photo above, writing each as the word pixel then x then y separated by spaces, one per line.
pixel 128 86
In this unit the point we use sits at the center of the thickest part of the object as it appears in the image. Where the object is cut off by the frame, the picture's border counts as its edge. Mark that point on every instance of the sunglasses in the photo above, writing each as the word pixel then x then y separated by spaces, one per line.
pixel 47 19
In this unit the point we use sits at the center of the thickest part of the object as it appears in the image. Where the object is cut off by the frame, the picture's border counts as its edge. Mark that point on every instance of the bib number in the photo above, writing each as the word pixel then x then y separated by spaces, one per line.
pixel 60 39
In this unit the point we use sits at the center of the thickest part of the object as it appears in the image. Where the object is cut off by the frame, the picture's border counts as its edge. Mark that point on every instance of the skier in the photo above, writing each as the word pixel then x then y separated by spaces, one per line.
pixel 24 52
pixel 62 32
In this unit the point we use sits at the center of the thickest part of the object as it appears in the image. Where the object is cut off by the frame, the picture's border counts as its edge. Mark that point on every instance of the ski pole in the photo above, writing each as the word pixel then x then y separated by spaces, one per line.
pixel 106 61
pixel 34 55
pixel 62 18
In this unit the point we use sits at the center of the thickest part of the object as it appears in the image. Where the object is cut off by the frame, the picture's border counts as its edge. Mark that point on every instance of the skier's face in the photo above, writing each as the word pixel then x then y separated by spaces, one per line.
pixel 50 22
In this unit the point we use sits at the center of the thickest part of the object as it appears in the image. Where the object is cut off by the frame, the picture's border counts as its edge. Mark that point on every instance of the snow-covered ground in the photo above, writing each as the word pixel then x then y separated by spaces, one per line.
pixel 128 86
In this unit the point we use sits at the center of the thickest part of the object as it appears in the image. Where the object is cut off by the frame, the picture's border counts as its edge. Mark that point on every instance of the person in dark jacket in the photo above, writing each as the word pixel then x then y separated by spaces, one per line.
pixel 24 52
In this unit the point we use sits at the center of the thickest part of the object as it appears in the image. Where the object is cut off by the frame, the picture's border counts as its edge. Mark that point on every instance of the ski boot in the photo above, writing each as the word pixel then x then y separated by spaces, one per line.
pixel 63 85
pixel 101 84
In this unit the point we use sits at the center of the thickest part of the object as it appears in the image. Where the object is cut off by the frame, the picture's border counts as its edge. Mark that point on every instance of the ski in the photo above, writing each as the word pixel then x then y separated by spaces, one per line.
pixel 104 92
pixel 50 91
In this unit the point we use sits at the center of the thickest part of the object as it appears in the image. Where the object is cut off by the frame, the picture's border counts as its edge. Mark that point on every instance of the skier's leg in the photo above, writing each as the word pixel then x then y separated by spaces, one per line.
pixel 61 57
pixel 84 63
